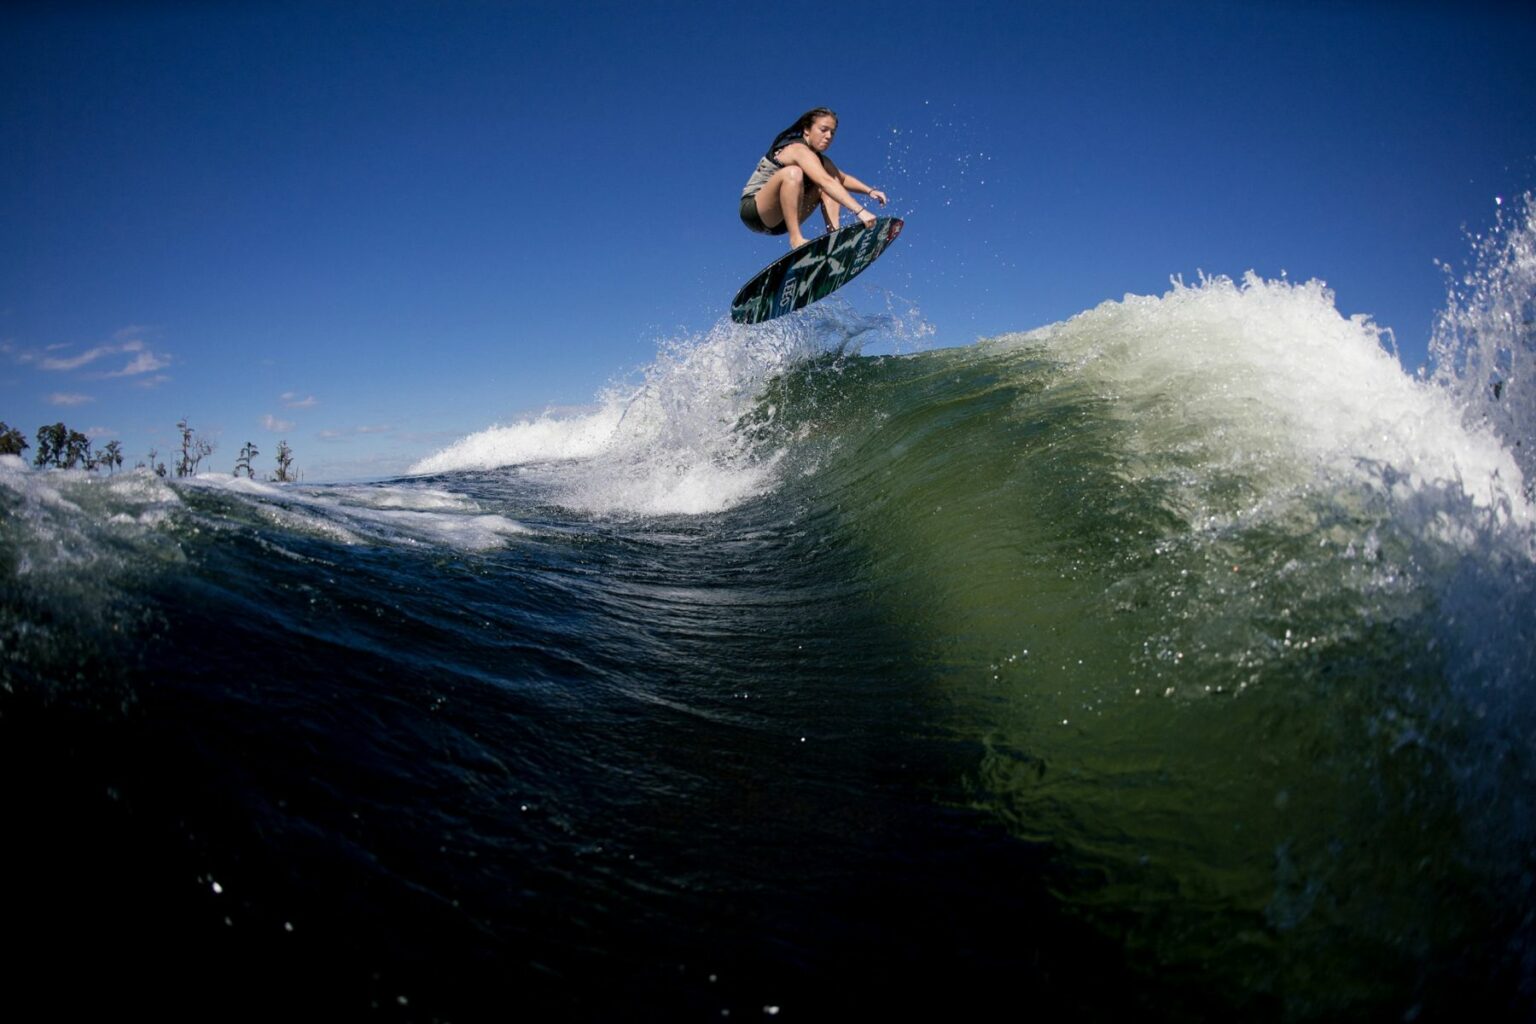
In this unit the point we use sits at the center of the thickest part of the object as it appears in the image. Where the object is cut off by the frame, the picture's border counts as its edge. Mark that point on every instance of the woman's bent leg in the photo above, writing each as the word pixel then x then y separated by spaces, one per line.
pixel 781 202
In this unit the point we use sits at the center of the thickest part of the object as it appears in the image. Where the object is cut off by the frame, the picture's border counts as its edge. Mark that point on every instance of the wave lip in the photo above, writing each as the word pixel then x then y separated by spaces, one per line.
pixel 1266 382
pixel 670 444
pixel 531 440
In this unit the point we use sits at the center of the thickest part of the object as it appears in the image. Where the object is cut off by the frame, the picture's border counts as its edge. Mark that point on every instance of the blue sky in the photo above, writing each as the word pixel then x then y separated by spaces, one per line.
pixel 372 228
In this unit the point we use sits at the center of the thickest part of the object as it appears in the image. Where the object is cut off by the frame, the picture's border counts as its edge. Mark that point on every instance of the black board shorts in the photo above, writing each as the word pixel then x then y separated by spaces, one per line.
pixel 750 218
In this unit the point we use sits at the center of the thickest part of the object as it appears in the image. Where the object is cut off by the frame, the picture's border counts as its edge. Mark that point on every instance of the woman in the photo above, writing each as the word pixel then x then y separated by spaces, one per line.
pixel 796 175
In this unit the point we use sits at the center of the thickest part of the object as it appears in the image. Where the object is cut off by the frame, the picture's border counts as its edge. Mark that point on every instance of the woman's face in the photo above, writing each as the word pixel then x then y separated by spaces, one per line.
pixel 819 135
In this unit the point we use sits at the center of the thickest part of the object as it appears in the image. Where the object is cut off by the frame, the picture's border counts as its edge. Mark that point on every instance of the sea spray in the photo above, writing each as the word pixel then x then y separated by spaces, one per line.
pixel 668 443
pixel 1484 346
pixel 1483 355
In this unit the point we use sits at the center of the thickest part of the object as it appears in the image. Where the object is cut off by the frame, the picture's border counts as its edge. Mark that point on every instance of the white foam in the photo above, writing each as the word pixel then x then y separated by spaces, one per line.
pixel 420 499
pixel 39 490
pixel 1265 379
pixel 533 440
pixel 467 527
pixel 66 515
pixel 357 526
pixel 668 444
pixel 373 513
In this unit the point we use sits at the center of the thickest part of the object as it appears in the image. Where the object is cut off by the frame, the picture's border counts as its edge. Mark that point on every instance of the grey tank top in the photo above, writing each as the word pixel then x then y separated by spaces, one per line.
pixel 768 165
pixel 765 170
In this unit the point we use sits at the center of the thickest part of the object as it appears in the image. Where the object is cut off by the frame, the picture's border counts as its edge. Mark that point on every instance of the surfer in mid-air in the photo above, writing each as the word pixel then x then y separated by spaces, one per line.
pixel 795 176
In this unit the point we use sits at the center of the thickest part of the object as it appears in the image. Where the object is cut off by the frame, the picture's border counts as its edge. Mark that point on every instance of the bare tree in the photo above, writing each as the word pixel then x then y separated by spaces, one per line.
pixel 243 463
pixel 284 462
pixel 194 449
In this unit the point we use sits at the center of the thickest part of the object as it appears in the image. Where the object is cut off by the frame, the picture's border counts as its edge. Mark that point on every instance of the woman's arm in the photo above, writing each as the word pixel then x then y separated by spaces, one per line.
pixel 853 184
pixel 810 162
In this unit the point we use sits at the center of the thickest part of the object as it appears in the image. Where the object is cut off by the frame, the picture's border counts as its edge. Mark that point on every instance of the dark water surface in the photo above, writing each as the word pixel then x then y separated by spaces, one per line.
pixel 1122 668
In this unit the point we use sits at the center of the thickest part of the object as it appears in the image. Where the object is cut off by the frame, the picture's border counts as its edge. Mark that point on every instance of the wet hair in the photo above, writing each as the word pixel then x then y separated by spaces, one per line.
pixel 808 118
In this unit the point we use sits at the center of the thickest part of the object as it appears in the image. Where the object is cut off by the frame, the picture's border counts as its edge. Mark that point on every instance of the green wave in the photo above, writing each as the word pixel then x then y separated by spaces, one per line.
pixel 1187 572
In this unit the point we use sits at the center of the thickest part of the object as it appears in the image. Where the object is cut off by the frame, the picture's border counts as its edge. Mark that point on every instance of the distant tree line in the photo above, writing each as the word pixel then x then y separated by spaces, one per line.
pixel 59 447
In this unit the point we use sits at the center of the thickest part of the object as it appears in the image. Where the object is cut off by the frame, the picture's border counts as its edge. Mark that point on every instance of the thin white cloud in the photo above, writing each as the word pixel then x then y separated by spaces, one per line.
pixel 144 362
pixel 144 359
pixel 68 398
pixel 276 425
pixel 83 359
pixel 291 400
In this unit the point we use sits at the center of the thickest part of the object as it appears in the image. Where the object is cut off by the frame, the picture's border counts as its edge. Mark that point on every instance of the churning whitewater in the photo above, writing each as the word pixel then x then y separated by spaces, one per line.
pixel 1172 660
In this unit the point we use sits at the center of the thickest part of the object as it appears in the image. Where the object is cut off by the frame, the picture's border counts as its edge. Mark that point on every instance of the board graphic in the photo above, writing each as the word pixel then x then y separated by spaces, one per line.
pixel 813 271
